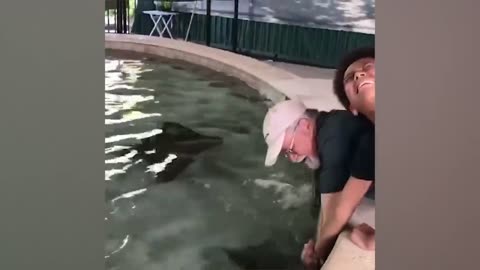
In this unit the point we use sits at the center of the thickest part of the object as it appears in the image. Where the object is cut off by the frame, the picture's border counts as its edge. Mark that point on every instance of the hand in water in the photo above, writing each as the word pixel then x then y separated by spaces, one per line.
pixel 309 257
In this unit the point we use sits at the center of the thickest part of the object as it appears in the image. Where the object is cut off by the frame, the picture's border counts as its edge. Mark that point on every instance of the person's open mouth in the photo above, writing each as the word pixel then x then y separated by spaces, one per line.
pixel 362 84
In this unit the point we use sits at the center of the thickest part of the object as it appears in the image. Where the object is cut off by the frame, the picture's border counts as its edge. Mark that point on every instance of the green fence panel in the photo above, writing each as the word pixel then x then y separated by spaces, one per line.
pixel 281 42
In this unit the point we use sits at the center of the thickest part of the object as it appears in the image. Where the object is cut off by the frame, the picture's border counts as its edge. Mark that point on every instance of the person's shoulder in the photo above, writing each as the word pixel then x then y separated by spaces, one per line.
pixel 337 122
pixel 339 131
pixel 348 118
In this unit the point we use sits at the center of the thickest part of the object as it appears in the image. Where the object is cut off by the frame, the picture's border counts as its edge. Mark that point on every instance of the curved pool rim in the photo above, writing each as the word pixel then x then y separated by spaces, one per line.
pixel 270 81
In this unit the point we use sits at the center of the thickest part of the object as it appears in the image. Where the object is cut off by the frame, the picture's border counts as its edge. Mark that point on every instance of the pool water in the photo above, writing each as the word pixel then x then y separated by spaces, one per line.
pixel 225 210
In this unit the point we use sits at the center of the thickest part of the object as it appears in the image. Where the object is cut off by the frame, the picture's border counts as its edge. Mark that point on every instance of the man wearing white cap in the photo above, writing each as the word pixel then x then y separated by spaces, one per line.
pixel 336 146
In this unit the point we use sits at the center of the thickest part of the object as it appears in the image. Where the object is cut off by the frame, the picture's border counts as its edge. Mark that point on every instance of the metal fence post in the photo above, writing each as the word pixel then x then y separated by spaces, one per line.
pixel 235 27
pixel 208 23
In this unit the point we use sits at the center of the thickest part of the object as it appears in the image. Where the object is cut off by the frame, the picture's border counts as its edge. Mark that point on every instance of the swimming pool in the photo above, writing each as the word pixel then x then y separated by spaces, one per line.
pixel 223 209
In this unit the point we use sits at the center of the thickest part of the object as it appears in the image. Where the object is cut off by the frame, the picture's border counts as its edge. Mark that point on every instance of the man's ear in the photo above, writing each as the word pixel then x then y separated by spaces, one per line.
pixel 304 124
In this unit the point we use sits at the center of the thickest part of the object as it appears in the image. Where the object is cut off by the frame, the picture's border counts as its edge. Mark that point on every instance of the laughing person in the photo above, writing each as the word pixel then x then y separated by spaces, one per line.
pixel 354 86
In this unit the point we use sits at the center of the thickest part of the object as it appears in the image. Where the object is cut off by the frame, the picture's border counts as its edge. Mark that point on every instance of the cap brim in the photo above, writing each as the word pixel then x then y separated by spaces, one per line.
pixel 274 149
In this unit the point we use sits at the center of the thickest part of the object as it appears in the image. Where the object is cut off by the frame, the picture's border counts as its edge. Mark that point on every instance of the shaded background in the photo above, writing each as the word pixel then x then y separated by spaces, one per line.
pixel 353 15
pixel 307 32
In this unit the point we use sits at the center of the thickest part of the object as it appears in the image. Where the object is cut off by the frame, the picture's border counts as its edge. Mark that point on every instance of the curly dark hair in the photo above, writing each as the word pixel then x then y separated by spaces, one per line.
pixel 347 60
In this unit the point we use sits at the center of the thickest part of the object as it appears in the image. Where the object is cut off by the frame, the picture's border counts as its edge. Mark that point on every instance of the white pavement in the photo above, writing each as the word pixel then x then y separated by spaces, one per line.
pixel 313 85
pixel 306 72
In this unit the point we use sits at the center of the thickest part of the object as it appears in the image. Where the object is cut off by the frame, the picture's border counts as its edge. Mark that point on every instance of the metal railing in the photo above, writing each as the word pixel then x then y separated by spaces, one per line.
pixel 119 15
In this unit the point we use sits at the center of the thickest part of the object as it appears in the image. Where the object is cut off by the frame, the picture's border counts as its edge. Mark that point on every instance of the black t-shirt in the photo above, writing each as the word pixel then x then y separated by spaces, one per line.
pixel 346 147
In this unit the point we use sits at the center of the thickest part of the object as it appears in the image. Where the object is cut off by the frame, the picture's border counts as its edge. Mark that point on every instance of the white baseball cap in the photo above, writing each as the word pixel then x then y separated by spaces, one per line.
pixel 278 119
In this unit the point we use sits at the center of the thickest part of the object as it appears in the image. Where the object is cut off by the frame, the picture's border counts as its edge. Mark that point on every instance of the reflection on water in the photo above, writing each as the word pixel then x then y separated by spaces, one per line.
pixel 185 183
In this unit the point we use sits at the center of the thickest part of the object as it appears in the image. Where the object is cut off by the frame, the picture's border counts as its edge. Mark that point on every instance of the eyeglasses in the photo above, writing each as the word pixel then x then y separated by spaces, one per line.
pixel 290 150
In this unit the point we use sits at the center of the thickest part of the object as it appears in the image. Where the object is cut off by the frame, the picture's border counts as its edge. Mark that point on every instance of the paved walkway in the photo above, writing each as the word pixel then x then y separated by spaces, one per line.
pixel 306 72
pixel 313 85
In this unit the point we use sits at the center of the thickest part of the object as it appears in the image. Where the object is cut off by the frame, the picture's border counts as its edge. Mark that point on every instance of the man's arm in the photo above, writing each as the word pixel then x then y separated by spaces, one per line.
pixel 343 187
pixel 336 210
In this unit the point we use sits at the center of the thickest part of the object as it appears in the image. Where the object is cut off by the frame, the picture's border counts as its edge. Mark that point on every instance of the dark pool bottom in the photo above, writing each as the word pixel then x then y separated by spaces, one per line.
pixel 175 202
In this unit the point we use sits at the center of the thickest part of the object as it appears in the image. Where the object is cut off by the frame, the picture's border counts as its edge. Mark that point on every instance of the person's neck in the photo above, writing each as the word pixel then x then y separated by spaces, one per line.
pixel 367 116
pixel 314 139
pixel 371 116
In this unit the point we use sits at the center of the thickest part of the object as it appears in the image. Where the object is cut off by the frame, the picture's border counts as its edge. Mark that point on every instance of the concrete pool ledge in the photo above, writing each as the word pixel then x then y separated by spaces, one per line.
pixel 347 256
pixel 272 82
